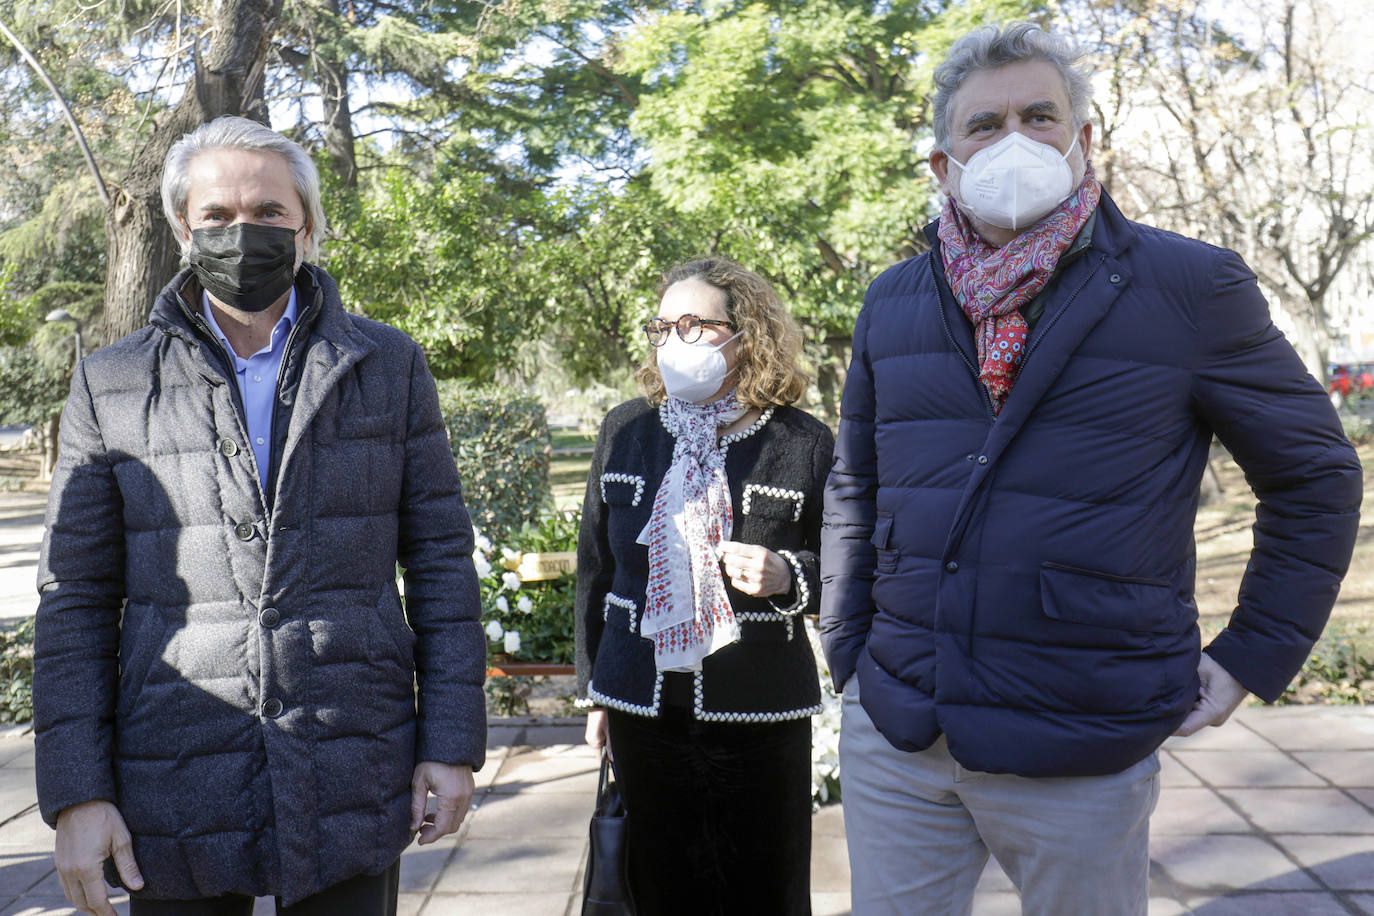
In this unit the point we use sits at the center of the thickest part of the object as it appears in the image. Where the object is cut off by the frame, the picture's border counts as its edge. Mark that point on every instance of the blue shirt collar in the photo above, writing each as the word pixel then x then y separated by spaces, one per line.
pixel 279 332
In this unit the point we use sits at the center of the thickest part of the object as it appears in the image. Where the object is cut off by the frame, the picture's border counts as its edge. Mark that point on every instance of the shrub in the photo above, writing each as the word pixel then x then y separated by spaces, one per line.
pixel 16 672
pixel 500 439
pixel 528 621
pixel 1340 670
pixel 1357 429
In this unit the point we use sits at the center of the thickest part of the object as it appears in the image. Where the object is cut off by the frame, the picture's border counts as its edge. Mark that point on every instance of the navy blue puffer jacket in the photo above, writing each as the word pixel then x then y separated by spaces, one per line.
pixel 1023 582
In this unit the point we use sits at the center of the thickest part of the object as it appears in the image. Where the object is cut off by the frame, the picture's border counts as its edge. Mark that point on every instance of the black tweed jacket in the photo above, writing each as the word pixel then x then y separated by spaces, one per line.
pixel 777 470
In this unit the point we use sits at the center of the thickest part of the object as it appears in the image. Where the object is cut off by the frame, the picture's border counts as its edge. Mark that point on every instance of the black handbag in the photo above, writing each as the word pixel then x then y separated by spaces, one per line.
pixel 605 888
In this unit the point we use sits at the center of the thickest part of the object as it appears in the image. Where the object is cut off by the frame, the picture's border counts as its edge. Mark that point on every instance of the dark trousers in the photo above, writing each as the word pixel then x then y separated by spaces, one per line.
pixel 718 814
pixel 365 895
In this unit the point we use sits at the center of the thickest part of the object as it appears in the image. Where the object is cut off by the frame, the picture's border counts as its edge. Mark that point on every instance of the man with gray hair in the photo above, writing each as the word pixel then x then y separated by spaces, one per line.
pixel 1008 556
pixel 231 700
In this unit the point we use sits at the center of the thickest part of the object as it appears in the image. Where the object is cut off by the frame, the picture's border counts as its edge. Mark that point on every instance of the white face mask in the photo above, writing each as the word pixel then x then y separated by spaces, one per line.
pixel 692 372
pixel 1015 182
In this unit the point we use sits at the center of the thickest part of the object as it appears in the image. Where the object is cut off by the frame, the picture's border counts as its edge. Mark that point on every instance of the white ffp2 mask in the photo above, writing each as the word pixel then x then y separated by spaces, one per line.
pixel 692 372
pixel 1014 182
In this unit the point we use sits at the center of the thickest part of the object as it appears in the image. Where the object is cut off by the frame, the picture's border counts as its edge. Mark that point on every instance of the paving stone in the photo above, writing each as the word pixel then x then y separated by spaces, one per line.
pixel 1219 862
pixel 485 777
pixel 828 821
pixel 1231 736
pixel 1364 901
pixel 1364 796
pixel 422 865
pixel 20 871
pixel 1242 768
pixel 532 814
pixel 1173 774
pixel 829 903
pixel 994 879
pixel 29 832
pixel 49 905
pixel 539 770
pixel 515 904
pixel 1317 728
pixel 1194 811
pixel 21 759
pixel 408 904
pixel 535 865
pixel 1269 904
pixel 1343 862
pixel 829 864
pixel 1344 768
pixel 17 750
pixel 1302 810
pixel 1166 906
pixel 996 904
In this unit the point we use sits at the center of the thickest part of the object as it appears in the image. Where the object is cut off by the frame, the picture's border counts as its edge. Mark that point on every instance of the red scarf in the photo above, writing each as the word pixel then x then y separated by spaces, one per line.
pixel 991 284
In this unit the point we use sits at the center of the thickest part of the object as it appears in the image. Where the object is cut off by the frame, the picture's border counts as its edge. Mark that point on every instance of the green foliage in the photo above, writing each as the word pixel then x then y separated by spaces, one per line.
pixel 500 438
pixel 1357 429
pixel 1340 670
pixel 16 672
pixel 30 392
pixel 538 614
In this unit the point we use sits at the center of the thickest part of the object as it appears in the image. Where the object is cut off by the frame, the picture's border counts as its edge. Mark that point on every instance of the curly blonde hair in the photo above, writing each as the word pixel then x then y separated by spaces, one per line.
pixel 770 340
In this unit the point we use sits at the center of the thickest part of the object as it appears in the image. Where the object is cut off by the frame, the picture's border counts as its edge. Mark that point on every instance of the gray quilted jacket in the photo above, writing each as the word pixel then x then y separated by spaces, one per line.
pixel 233 668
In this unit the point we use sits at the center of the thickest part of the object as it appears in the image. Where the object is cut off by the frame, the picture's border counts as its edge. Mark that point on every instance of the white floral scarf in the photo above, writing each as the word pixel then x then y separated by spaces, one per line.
pixel 686 610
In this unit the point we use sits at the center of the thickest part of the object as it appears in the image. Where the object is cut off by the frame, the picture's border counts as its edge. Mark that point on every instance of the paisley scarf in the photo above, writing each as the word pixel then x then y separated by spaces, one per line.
pixel 686 611
pixel 991 284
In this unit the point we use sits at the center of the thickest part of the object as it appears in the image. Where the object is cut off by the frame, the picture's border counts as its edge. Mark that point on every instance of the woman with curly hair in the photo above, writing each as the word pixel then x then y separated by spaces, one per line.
pixel 697 556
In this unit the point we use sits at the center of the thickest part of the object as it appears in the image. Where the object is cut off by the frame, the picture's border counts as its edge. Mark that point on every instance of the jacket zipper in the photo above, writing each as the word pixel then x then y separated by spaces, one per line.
pixel 1031 346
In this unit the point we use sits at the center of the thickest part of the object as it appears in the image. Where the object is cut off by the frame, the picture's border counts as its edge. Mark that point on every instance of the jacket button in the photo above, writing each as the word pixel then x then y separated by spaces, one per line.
pixel 982 459
pixel 269 617
pixel 271 708
pixel 1115 278
pixel 951 566
pixel 244 531
pixel 228 447
pixel 970 456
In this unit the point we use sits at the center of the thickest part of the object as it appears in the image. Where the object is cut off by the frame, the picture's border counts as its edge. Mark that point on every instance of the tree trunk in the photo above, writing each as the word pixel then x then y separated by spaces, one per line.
pixel 49 446
pixel 1312 345
pixel 228 80
pixel 332 70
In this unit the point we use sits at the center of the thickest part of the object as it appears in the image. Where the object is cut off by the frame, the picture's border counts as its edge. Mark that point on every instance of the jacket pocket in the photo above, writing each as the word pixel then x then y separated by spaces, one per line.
pixel 620 489
pixel 373 427
pixel 882 539
pixel 1129 603
pixel 777 503
pixel 141 632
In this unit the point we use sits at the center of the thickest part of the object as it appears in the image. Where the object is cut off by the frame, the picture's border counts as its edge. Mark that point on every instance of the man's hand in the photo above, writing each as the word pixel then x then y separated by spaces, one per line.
pixel 1218 697
pixel 755 570
pixel 452 786
pixel 88 834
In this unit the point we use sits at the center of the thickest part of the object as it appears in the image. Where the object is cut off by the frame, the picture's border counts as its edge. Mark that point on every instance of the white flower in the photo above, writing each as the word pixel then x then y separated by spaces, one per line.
pixel 525 605
pixel 511 581
pixel 483 567
pixel 508 554
pixel 494 630
pixel 502 604
pixel 512 641
pixel 479 540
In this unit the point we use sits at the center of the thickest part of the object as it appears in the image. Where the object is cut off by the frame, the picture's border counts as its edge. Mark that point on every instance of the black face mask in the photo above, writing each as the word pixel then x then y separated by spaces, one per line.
pixel 245 266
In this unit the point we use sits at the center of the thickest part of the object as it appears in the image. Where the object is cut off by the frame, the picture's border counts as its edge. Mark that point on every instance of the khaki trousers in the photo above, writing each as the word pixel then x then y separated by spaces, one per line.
pixel 920 828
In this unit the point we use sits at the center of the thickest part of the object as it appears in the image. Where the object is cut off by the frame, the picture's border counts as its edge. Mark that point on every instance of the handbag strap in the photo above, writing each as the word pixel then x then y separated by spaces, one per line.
pixel 601 782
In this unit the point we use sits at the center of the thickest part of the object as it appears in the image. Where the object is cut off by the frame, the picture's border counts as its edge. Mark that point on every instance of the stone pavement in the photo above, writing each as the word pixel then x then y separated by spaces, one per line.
pixel 1273 814
pixel 21 531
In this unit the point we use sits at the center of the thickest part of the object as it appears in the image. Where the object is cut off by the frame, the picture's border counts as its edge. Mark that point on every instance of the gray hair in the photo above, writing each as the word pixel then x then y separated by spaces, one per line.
pixel 230 132
pixel 989 48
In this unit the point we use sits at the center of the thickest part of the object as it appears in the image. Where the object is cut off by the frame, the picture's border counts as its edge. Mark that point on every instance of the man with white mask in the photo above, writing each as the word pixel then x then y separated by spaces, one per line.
pixel 1008 560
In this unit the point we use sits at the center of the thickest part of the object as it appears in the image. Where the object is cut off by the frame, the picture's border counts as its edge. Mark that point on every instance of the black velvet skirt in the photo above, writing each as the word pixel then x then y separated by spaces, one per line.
pixel 719 814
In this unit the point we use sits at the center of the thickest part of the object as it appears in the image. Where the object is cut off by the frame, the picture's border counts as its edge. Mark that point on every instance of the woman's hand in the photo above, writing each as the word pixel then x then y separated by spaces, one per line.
pixel 755 570
pixel 597 734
